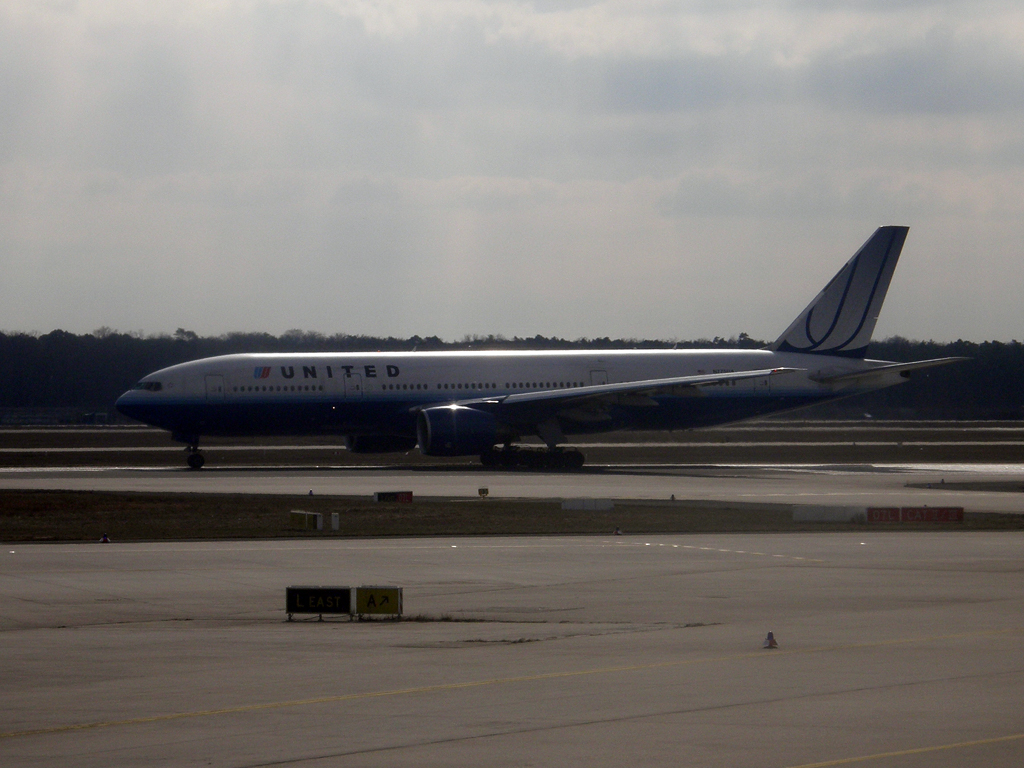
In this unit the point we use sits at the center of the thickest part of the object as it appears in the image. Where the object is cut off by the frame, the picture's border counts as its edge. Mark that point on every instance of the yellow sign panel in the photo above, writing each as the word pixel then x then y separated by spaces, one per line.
pixel 379 600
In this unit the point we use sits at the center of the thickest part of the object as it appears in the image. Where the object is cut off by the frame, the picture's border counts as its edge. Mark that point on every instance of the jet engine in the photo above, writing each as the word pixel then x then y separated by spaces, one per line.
pixel 455 430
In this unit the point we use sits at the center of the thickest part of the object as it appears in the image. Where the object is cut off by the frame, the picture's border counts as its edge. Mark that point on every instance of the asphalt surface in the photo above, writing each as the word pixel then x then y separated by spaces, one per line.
pixel 895 649
pixel 841 485
pixel 789 441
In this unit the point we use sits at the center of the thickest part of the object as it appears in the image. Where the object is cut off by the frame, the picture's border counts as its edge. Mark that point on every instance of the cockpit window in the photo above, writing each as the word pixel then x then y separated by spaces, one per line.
pixel 149 386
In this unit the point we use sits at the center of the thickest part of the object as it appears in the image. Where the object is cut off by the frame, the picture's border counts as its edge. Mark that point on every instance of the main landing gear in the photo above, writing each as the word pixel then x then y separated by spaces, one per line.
pixel 511 457
pixel 195 459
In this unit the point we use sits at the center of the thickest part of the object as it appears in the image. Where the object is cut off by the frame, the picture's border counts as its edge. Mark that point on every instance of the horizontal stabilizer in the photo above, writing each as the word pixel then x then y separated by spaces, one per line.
pixel 901 368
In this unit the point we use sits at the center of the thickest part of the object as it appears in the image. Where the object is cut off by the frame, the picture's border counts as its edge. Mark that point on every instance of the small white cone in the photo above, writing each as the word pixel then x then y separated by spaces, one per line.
pixel 769 642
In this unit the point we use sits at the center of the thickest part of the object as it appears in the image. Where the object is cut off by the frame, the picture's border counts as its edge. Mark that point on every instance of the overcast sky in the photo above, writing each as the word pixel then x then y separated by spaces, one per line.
pixel 624 169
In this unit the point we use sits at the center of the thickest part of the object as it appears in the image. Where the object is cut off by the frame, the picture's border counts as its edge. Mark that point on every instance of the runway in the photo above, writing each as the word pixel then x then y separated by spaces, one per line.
pixel 895 650
pixel 840 485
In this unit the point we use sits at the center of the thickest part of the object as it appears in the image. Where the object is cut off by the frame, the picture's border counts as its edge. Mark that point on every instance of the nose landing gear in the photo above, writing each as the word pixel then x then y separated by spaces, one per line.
pixel 195 459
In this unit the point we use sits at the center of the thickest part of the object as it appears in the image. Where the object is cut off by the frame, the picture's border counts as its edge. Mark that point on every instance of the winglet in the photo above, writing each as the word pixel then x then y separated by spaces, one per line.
pixel 842 317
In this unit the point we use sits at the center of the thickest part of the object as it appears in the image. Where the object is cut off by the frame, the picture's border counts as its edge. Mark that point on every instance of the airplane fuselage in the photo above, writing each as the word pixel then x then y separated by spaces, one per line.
pixel 381 393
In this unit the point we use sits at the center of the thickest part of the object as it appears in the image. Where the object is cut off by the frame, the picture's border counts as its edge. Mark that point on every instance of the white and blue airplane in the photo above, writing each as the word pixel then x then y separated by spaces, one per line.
pixel 481 403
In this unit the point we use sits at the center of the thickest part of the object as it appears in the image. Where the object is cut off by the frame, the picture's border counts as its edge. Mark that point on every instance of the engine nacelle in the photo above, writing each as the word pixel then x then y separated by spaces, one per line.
pixel 379 443
pixel 454 430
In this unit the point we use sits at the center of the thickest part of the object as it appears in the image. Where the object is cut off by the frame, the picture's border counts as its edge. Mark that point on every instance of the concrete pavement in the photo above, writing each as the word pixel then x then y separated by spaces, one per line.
pixel 896 649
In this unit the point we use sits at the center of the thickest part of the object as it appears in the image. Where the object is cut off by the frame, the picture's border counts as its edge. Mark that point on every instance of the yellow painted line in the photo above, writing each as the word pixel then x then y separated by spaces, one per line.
pixel 915 751
pixel 357 696
pixel 488 682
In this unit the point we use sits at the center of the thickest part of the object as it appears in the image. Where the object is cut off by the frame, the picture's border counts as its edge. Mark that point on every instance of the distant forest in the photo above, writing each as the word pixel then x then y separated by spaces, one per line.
pixel 80 376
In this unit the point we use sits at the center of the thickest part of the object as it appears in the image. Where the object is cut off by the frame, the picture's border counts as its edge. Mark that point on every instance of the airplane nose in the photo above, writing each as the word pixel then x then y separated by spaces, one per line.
pixel 124 404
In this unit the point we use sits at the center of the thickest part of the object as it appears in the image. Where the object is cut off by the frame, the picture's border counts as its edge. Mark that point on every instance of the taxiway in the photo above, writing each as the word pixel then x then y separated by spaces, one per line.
pixel 895 650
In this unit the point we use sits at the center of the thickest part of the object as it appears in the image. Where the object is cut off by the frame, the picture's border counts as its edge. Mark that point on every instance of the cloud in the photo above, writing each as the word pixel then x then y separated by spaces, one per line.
pixel 936 74
pixel 593 168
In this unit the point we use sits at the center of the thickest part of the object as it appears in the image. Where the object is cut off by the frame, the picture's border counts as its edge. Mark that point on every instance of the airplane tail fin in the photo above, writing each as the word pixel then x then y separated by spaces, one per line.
pixel 842 317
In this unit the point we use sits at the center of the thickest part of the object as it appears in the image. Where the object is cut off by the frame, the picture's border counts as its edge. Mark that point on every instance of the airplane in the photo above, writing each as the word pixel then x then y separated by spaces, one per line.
pixel 483 402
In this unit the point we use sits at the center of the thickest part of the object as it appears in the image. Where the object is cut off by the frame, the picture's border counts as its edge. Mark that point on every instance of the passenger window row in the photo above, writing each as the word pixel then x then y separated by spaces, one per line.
pixel 485 385
pixel 466 386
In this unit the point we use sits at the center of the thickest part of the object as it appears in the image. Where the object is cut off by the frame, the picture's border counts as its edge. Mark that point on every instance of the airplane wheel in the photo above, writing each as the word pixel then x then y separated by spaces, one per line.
pixel 490 458
pixel 532 460
pixel 559 460
pixel 574 459
pixel 196 461
pixel 553 460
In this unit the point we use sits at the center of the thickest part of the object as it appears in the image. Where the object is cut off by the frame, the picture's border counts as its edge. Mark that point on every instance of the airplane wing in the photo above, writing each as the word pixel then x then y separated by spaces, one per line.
pixel 577 402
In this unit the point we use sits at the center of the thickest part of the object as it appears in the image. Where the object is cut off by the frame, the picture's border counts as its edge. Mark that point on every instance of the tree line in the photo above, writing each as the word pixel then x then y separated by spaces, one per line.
pixel 61 370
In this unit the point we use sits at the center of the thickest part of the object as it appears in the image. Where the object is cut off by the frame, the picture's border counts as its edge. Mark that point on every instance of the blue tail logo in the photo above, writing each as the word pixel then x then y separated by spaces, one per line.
pixel 842 317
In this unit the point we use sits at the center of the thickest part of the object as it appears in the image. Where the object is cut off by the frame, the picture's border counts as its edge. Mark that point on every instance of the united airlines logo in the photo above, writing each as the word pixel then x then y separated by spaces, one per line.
pixel 842 317
pixel 371 371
